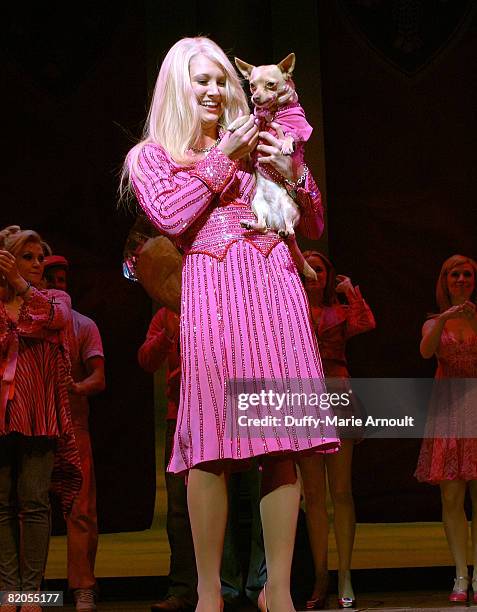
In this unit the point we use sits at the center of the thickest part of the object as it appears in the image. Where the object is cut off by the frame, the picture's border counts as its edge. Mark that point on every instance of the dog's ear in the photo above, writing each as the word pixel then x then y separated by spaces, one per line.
pixel 244 68
pixel 287 65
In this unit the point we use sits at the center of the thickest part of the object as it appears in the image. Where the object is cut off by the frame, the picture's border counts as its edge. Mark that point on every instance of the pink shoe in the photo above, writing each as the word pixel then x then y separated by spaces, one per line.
pixel 460 592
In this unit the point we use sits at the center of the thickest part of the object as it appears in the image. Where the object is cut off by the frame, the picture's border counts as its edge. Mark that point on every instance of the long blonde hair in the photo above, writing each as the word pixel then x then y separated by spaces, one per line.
pixel 173 120
pixel 442 289
pixel 13 239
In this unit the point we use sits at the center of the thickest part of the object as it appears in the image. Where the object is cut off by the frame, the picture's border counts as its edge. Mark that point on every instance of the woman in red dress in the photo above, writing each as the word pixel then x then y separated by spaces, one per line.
pixel 448 454
pixel 334 323
pixel 37 446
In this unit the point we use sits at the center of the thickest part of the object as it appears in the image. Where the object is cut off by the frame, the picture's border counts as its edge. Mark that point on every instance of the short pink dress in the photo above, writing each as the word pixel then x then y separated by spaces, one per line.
pixel 245 314
pixel 453 414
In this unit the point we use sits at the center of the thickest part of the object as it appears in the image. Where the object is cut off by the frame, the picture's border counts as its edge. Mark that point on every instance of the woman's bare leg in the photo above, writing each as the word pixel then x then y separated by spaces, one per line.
pixel 207 502
pixel 313 475
pixel 279 511
pixel 338 466
pixel 455 523
pixel 473 496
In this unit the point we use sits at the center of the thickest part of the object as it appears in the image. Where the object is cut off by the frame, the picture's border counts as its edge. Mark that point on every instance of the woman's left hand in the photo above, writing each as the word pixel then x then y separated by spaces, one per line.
pixel 272 154
pixel 344 284
pixel 8 268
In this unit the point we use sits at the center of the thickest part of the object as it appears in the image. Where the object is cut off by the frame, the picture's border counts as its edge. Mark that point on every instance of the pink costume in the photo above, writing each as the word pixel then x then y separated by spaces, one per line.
pixel 292 120
pixel 34 366
pixel 244 310
pixel 451 414
pixel 82 525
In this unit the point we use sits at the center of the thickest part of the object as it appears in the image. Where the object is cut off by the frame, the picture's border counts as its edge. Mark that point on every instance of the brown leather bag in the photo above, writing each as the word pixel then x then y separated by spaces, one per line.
pixel 155 262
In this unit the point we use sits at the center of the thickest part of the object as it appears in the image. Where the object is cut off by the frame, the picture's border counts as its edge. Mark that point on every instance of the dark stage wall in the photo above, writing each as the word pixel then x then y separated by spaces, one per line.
pixel 399 100
pixel 399 171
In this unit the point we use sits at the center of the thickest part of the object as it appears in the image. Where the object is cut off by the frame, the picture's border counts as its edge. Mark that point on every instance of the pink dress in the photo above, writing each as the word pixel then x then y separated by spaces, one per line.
pixel 245 314
pixel 34 366
pixel 452 413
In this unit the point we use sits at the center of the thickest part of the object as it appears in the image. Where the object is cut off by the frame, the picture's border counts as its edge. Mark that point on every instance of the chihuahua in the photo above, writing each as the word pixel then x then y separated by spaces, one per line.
pixel 275 100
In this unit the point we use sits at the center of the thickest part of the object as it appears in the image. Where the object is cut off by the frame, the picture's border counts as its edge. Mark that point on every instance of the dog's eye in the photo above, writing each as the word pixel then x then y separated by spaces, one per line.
pixel 271 85
pixel 252 87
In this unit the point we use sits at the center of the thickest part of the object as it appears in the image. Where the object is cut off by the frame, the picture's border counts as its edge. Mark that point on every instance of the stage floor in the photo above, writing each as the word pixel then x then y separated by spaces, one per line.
pixel 392 602
pixel 378 545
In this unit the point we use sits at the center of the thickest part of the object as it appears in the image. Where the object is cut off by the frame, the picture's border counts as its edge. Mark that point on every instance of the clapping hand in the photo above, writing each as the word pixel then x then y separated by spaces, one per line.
pixel 466 310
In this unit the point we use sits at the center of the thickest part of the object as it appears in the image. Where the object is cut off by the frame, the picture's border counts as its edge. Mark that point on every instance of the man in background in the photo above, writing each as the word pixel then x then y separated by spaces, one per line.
pixel 87 378
pixel 162 346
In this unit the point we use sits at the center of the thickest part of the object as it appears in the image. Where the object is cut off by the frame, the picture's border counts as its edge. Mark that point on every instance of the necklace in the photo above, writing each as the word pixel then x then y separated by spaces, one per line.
pixel 206 149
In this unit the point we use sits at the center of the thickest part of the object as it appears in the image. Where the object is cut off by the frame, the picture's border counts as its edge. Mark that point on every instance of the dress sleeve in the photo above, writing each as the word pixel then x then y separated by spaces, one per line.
pixel 171 202
pixel 45 310
pixel 359 318
pixel 157 346
pixel 311 222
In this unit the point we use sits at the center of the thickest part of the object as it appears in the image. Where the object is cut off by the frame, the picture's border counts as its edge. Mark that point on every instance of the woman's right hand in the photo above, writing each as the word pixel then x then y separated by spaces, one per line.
pixel 240 142
pixel 461 311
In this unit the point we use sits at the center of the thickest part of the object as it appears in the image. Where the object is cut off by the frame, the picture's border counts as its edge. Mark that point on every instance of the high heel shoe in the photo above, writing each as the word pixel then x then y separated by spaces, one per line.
pixel 346 603
pixel 262 600
pixel 460 593
pixel 317 603
pixel 346 598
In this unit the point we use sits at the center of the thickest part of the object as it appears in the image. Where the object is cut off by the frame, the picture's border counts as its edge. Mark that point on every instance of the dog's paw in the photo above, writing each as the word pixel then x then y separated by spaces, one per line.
pixel 286 149
pixel 246 224
pixel 308 272
pixel 283 234
pixel 288 146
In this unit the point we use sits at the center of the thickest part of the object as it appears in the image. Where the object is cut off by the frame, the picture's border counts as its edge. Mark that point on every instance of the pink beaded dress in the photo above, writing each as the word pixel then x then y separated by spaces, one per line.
pixel 448 452
pixel 244 311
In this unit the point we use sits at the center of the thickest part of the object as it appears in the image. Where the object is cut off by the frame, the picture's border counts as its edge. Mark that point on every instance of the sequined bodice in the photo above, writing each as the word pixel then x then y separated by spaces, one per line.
pixel 457 358
pixel 214 233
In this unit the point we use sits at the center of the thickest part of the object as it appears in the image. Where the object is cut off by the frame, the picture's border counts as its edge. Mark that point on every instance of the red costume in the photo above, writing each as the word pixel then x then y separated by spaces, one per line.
pixel 34 366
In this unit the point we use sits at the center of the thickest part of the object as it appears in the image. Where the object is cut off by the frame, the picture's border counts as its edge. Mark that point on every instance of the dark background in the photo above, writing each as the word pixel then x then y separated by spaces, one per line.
pixel 389 86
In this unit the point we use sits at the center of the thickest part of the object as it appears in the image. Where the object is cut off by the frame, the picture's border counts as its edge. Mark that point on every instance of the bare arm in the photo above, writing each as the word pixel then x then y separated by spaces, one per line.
pixel 94 382
pixel 432 329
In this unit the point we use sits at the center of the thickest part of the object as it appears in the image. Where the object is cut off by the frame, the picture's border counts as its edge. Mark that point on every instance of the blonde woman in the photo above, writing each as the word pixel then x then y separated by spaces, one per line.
pixel 35 425
pixel 244 312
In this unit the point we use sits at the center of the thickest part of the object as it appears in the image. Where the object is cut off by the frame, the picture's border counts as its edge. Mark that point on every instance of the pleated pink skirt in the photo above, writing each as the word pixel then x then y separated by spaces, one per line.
pixel 245 318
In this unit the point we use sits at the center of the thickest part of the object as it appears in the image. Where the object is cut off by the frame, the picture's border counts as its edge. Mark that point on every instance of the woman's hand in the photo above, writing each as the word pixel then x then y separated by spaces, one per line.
pixel 344 284
pixel 273 154
pixel 8 268
pixel 240 142
pixel 461 311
